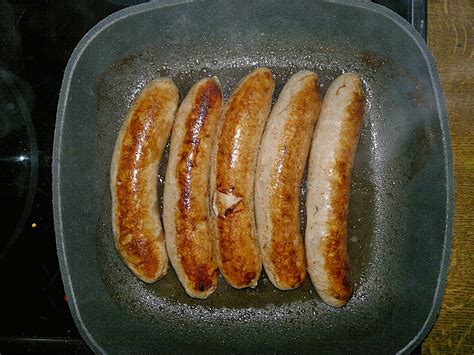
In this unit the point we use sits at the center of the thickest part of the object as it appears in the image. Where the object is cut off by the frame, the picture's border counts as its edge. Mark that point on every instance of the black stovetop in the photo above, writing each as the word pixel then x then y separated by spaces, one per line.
pixel 37 37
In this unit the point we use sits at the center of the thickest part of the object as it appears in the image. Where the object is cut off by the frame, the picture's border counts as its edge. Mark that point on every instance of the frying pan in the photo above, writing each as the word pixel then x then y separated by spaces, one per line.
pixel 400 219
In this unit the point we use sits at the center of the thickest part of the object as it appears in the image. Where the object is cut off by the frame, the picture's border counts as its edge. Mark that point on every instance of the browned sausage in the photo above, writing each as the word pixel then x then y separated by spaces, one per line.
pixel 138 233
pixel 282 159
pixel 186 211
pixel 233 175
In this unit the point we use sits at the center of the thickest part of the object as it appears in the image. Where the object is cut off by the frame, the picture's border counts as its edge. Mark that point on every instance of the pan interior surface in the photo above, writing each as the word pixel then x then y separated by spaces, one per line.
pixel 398 209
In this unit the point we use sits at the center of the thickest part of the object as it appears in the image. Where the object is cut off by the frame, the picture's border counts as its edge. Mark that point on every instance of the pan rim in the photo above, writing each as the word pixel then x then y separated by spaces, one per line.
pixel 155 5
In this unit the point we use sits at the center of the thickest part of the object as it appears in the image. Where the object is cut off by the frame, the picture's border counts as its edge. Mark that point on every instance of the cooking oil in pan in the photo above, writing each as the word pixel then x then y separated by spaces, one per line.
pixel 116 91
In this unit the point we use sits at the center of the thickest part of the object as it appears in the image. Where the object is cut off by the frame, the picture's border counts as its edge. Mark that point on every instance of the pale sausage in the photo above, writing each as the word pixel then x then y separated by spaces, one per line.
pixel 329 178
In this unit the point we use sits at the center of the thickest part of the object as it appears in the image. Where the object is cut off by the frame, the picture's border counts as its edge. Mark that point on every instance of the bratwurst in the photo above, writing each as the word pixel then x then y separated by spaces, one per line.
pixel 186 208
pixel 281 163
pixel 138 233
pixel 329 178
pixel 232 178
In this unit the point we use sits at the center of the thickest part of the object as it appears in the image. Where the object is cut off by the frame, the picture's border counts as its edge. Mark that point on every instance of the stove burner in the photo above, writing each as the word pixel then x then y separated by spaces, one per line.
pixel 18 157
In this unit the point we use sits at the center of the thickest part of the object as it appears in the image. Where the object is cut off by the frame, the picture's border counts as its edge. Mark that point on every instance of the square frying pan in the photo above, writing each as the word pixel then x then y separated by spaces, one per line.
pixel 401 208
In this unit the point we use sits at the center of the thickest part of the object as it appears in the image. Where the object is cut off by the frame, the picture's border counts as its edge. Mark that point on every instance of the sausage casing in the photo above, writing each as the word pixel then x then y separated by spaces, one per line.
pixel 138 233
pixel 233 175
pixel 329 176
pixel 282 159
pixel 186 210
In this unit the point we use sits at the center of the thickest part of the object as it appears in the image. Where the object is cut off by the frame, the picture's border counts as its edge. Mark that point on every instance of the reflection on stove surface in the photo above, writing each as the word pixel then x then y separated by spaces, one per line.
pixel 18 157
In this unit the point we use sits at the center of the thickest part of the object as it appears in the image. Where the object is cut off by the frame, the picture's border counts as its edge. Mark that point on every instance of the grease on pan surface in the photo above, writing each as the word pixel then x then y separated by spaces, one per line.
pixel 117 89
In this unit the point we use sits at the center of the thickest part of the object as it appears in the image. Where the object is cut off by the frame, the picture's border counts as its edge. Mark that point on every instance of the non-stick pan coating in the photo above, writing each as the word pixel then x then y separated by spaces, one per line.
pixel 400 209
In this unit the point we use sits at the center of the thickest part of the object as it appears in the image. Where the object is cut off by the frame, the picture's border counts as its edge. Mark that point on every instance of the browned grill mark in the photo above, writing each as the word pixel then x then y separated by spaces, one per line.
pixel 238 257
pixel 193 233
pixel 141 255
pixel 334 244
pixel 140 150
pixel 287 249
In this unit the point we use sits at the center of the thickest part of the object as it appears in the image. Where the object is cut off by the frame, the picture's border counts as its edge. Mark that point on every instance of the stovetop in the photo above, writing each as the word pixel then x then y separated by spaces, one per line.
pixel 37 38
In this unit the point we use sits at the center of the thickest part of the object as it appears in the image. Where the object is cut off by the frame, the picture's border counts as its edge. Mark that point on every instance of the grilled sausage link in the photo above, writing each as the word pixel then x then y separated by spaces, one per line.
pixel 282 159
pixel 329 178
pixel 233 175
pixel 186 211
pixel 138 233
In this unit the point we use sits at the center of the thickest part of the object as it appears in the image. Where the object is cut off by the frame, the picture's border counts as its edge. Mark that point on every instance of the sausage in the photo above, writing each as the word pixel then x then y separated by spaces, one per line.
pixel 138 233
pixel 281 162
pixel 232 179
pixel 186 210
pixel 329 177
